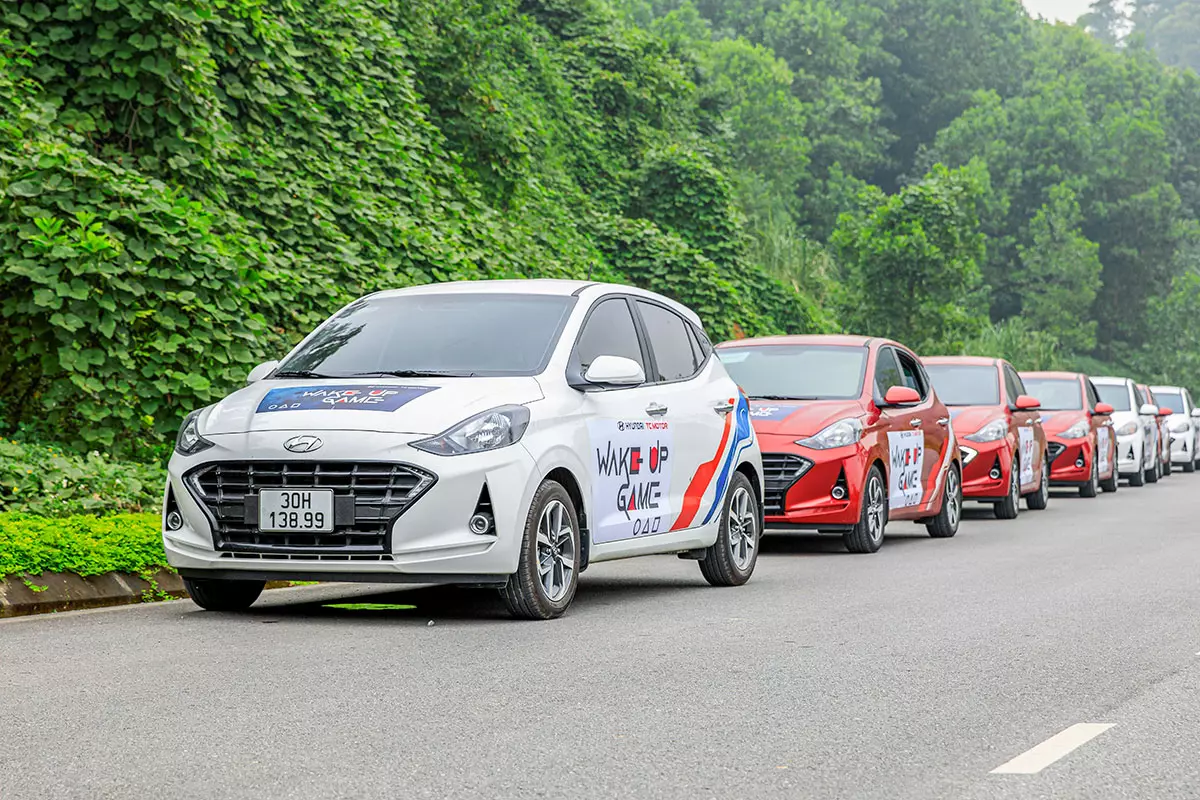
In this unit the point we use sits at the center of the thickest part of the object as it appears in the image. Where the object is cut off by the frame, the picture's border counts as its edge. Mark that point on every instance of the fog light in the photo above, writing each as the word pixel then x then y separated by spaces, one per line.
pixel 838 493
pixel 174 521
pixel 994 474
pixel 480 524
pixel 1079 463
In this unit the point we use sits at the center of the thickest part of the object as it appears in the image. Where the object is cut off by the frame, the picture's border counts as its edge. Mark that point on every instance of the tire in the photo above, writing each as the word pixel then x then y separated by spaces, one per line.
pixel 731 559
pixel 1110 485
pixel 1189 466
pixel 1037 501
pixel 945 524
pixel 1009 507
pixel 1168 467
pixel 1137 479
pixel 1155 472
pixel 867 534
pixel 548 571
pixel 212 594
pixel 1092 487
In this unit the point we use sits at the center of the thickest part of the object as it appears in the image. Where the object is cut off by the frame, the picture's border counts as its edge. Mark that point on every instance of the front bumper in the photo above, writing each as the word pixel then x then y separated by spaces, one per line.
pixel 1182 449
pixel 428 541
pixel 982 460
pixel 1129 454
pixel 802 486
pixel 1071 460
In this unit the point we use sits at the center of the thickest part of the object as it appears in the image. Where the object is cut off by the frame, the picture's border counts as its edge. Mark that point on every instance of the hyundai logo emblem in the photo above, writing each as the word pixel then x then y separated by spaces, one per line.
pixel 303 444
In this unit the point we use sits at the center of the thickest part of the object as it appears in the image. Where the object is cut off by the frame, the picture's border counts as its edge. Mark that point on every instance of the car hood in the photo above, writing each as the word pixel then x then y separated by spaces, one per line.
pixel 399 405
pixel 968 419
pixel 1058 421
pixel 800 417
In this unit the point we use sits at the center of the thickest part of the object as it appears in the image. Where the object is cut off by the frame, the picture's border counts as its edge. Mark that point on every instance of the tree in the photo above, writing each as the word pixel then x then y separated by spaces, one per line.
pixel 1171 28
pixel 1107 21
pixel 912 261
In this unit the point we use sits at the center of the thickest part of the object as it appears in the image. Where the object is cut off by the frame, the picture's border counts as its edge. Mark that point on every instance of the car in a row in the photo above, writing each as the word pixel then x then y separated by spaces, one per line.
pixel 512 433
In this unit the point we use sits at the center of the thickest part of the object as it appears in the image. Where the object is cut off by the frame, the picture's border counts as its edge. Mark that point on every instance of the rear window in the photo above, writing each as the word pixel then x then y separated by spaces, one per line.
pixel 963 385
pixel 1115 394
pixel 453 334
pixel 1055 394
pixel 797 372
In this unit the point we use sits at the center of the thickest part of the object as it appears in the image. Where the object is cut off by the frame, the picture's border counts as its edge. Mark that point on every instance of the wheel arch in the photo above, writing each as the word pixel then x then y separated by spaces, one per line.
pixel 564 477
pixel 747 469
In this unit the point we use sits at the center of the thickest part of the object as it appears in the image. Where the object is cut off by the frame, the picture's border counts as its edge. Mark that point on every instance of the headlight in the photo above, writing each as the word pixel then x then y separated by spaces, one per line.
pixel 1079 430
pixel 839 434
pixel 1127 428
pixel 189 441
pixel 994 431
pixel 1180 427
pixel 490 430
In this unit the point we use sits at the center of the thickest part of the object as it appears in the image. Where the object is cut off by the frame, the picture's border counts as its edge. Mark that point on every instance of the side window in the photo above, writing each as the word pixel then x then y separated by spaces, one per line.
pixel 1015 386
pixel 609 331
pixel 1010 386
pixel 670 341
pixel 912 374
pixel 887 372
pixel 1093 397
pixel 701 344
pixel 1187 399
pixel 1138 399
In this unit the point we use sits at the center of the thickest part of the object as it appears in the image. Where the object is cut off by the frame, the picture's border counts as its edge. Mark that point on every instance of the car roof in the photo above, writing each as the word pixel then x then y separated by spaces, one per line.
pixel 1109 379
pixel 834 339
pixel 1166 388
pixel 974 361
pixel 545 286
pixel 1053 374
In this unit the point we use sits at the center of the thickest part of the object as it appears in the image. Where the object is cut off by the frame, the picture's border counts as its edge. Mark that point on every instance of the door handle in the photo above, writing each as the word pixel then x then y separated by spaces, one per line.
pixel 724 407
pixel 944 421
pixel 655 410
pixel 915 422
pixel 1027 422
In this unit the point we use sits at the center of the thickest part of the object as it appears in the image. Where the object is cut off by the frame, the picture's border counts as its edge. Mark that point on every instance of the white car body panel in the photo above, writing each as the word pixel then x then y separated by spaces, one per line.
pixel 430 539
pixel 1134 450
pixel 1183 428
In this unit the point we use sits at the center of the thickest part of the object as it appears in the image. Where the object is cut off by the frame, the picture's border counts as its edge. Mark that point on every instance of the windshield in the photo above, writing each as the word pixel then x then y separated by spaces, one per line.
pixel 453 334
pixel 961 385
pixel 1115 394
pixel 1171 400
pixel 1055 394
pixel 797 372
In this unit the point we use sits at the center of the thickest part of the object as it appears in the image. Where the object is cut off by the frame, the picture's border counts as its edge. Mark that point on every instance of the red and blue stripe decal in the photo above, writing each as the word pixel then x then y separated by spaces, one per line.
pixel 737 424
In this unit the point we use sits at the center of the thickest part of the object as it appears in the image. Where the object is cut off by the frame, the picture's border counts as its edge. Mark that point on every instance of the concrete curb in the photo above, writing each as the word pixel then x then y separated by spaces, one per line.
pixel 65 591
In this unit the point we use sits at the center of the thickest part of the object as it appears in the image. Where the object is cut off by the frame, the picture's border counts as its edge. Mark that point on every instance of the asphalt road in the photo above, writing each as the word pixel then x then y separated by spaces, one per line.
pixel 912 673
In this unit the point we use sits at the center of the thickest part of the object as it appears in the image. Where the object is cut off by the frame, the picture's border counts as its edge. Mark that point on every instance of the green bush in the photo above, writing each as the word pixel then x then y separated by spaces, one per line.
pixel 48 481
pixel 83 544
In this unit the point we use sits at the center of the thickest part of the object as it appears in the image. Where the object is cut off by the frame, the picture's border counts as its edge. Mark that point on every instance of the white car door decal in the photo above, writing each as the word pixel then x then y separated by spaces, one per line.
pixel 631 478
pixel 1102 446
pixel 906 451
pixel 1025 439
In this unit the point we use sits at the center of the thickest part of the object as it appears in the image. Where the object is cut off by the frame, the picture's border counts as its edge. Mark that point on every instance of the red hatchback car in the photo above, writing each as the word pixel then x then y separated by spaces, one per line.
pixel 999 430
pixel 1079 435
pixel 852 434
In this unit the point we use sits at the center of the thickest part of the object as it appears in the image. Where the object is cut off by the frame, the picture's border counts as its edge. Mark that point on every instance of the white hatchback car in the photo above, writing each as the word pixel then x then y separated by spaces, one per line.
pixel 1183 425
pixel 1136 424
pixel 505 433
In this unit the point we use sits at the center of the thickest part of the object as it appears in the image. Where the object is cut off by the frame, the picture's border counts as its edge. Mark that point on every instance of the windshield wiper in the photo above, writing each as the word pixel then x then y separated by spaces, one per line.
pixel 412 373
pixel 303 373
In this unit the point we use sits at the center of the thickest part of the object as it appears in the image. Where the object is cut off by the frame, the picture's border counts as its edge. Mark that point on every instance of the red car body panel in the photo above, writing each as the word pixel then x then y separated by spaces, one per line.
pixel 810 502
pixel 994 458
pixel 1071 459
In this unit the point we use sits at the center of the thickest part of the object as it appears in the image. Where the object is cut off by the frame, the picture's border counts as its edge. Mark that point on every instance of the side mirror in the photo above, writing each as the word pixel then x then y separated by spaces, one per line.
pixel 261 371
pixel 1196 412
pixel 1163 411
pixel 901 396
pixel 1027 403
pixel 614 371
pixel 1104 409
pixel 1148 410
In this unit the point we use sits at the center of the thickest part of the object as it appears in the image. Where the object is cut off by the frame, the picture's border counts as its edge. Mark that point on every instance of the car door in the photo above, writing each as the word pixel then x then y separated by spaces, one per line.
pixel 934 428
pixel 627 459
pixel 1104 442
pixel 698 400
pixel 1030 452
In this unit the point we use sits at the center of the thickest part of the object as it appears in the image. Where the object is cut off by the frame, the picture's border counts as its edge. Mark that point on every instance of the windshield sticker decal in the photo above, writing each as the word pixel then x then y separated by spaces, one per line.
pixel 358 398
pixel 906 453
pixel 631 479
pixel 1102 448
pixel 771 412
pixel 1025 443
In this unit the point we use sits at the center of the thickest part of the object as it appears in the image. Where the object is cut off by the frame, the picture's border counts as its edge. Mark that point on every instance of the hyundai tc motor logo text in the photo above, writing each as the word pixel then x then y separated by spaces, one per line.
pixel 303 444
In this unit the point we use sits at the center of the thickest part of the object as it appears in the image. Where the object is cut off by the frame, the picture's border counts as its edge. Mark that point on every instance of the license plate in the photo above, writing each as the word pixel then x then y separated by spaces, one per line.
pixel 295 510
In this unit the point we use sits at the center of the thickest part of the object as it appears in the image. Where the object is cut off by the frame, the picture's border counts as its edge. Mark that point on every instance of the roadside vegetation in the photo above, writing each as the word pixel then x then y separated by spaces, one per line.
pixel 188 187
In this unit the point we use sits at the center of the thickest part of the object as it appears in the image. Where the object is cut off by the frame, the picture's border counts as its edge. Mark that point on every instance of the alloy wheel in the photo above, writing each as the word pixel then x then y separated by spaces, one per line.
pixel 953 498
pixel 875 510
pixel 743 528
pixel 555 550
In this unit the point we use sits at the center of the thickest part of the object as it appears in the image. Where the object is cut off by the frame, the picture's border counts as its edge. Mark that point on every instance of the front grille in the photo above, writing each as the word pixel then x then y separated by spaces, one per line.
pixel 780 472
pixel 367 498
pixel 1054 450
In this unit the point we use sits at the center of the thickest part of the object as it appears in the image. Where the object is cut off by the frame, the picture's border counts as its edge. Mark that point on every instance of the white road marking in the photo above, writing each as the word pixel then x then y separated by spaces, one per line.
pixel 1039 757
